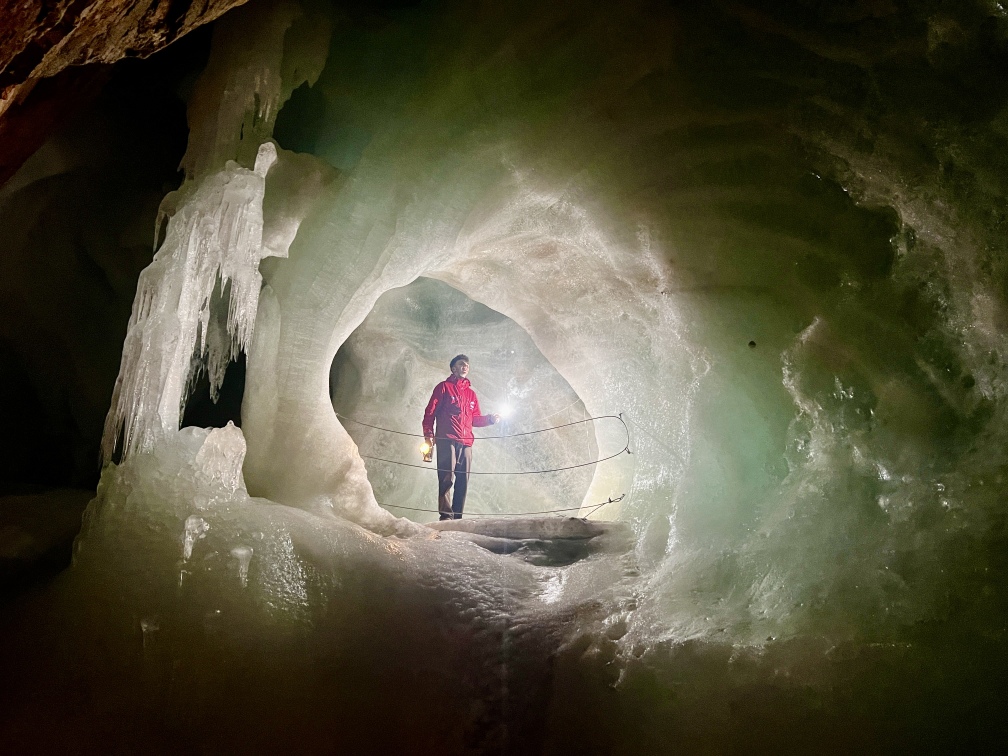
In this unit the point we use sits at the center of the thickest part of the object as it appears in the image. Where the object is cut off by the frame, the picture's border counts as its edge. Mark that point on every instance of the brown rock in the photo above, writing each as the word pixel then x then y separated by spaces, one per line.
pixel 26 125
pixel 39 39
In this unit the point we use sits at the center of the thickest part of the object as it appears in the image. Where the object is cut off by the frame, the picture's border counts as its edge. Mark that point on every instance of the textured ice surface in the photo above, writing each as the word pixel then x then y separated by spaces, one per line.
pixel 196 304
pixel 195 528
pixel 197 300
pixel 243 556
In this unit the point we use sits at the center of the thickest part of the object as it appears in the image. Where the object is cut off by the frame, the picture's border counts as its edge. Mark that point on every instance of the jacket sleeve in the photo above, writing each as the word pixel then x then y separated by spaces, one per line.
pixel 480 421
pixel 428 417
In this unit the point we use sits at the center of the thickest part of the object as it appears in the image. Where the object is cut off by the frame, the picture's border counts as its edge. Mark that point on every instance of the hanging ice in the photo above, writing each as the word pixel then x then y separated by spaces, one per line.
pixel 243 555
pixel 195 529
pixel 210 255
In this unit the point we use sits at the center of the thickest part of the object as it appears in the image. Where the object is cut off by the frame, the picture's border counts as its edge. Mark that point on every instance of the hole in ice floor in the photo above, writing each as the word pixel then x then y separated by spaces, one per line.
pixel 383 376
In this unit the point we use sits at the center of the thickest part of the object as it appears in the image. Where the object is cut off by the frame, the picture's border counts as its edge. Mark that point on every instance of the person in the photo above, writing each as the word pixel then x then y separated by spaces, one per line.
pixel 454 407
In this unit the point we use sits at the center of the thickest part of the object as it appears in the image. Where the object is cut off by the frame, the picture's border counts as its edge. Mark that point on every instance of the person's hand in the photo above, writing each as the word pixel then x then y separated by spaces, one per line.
pixel 429 440
pixel 496 418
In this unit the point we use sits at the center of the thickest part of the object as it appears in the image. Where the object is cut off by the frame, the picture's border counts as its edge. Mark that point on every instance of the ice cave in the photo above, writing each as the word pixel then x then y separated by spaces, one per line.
pixel 733 274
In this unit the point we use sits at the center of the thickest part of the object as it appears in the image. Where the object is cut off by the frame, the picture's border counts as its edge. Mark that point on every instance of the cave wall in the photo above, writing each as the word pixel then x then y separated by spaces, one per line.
pixel 64 48
pixel 80 217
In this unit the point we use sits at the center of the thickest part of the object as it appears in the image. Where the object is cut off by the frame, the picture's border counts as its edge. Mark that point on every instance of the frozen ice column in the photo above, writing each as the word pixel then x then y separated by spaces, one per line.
pixel 209 258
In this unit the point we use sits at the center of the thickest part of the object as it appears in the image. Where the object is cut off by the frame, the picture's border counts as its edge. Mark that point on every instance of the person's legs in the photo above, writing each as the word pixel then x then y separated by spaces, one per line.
pixel 463 463
pixel 445 466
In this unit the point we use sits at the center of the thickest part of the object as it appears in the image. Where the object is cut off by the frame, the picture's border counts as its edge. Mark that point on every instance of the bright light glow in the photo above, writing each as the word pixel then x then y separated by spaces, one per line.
pixel 506 411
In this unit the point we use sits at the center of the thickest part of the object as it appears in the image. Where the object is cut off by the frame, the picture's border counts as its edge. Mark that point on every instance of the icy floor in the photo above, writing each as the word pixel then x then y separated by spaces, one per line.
pixel 198 618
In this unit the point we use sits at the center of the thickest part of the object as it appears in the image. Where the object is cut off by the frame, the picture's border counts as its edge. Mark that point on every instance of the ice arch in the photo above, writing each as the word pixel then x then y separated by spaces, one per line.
pixel 492 212
pixel 592 302
pixel 383 374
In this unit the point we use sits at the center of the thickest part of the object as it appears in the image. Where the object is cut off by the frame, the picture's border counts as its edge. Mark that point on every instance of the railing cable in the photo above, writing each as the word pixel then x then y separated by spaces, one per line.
pixel 428 466
pixel 593 509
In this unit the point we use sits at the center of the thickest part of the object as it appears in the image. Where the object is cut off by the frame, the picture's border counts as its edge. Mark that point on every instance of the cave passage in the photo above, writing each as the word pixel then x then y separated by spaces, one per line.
pixel 383 375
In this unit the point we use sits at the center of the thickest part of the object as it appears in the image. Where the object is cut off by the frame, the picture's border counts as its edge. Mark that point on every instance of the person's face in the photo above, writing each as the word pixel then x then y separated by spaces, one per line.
pixel 460 369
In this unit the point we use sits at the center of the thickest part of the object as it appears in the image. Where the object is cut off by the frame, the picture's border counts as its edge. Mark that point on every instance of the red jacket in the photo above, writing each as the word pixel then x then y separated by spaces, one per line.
pixel 455 407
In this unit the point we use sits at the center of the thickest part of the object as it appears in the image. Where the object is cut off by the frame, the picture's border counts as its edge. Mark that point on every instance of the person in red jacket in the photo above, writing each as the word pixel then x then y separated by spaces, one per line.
pixel 455 408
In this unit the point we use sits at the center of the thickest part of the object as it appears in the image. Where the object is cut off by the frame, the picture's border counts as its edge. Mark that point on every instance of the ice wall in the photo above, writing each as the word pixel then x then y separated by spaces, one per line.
pixel 490 211
pixel 785 338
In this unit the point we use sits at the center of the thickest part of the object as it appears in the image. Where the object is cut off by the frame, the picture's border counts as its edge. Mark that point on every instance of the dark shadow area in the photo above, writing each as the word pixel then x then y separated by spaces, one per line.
pixel 40 439
pixel 297 123
pixel 201 411
pixel 79 221
pixel 80 215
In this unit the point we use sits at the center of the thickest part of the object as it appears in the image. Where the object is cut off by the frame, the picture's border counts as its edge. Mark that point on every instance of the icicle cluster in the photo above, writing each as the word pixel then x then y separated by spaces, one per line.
pixel 211 253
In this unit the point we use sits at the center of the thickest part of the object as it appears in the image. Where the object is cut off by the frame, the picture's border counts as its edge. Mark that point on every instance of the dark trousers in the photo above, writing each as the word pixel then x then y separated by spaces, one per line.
pixel 453 459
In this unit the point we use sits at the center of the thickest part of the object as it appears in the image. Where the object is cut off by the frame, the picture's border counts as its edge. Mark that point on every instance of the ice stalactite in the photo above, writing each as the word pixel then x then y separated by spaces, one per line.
pixel 212 248
pixel 196 303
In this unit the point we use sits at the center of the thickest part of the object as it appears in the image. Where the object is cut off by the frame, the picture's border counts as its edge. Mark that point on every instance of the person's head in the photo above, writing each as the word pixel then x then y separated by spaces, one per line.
pixel 459 366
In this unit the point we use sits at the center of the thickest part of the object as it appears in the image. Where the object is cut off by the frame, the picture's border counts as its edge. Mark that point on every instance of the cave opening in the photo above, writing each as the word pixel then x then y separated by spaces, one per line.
pixel 381 379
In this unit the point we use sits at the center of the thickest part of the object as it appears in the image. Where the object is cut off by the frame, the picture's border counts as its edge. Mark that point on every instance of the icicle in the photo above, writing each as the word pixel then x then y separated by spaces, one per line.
pixel 195 529
pixel 213 242
pixel 243 555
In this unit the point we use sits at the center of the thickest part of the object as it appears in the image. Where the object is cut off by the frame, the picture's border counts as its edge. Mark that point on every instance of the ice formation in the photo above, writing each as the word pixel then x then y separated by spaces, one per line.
pixel 196 304
pixel 805 350
pixel 212 248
